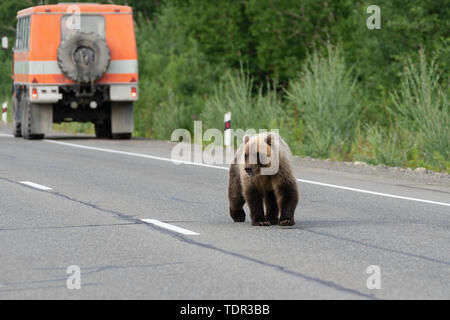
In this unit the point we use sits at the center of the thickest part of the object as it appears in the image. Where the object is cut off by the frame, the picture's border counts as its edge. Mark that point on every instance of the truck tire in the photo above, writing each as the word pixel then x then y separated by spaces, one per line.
pixel 83 57
pixel 103 129
pixel 26 123
pixel 17 130
pixel 122 136
pixel 36 119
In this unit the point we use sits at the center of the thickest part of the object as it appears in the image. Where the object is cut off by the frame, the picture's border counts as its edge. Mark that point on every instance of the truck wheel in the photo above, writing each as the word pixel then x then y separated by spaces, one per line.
pixel 25 114
pixel 17 131
pixel 103 129
pixel 122 136
pixel 36 119
pixel 27 122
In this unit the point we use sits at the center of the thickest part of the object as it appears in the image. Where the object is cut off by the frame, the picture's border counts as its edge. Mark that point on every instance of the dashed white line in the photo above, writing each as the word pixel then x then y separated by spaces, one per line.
pixel 35 185
pixel 170 227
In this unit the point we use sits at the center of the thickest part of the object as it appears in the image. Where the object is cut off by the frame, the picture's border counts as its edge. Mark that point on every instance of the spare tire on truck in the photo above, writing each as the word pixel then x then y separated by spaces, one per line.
pixel 83 57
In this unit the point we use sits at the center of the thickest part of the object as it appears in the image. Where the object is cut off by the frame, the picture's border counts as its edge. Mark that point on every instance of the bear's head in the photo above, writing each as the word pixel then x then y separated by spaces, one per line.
pixel 257 153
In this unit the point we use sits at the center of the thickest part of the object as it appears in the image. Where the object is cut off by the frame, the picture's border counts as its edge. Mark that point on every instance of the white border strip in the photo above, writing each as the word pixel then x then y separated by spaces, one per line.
pixel 226 168
pixel 170 227
pixel 139 155
pixel 52 67
pixel 35 185
pixel 373 192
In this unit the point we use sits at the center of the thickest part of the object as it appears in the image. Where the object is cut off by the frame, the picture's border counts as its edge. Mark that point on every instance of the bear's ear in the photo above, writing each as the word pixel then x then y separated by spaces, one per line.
pixel 269 139
pixel 246 138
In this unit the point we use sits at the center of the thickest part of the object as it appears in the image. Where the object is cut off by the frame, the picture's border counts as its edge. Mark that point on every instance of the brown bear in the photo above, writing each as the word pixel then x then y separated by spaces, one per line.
pixel 252 179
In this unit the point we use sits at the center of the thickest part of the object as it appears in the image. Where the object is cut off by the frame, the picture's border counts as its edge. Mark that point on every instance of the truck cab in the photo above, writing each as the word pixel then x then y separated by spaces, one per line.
pixel 75 62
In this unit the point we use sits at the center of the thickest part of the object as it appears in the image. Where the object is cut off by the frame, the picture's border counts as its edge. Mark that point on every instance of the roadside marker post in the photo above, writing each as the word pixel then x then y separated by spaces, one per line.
pixel 4 110
pixel 5 42
pixel 227 130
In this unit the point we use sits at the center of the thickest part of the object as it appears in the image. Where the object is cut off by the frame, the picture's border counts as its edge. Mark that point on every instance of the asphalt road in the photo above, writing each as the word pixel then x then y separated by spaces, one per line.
pixel 93 217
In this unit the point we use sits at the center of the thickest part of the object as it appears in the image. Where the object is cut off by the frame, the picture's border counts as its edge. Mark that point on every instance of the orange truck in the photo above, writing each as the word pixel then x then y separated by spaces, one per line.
pixel 75 62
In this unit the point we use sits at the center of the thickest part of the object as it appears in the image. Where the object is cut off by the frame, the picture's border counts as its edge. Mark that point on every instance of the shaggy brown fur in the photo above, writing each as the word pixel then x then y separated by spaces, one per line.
pixel 278 192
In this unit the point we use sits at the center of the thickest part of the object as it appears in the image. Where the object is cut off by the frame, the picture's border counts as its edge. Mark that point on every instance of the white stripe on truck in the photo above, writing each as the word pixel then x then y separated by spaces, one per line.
pixel 51 67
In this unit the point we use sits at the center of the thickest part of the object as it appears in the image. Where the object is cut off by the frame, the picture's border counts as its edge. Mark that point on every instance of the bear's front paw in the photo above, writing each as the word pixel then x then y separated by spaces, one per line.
pixel 273 222
pixel 238 215
pixel 286 222
pixel 261 223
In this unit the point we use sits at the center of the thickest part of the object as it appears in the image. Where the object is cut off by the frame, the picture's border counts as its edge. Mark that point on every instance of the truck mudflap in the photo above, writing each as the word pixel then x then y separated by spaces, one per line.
pixel 122 119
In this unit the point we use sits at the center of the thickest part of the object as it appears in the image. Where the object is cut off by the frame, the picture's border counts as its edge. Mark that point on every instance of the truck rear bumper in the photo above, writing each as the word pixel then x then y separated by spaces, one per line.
pixel 44 94
pixel 50 94
pixel 123 92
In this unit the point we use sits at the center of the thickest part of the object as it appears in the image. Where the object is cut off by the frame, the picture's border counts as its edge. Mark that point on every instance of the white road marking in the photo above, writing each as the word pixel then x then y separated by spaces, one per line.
pixel 141 155
pixel 170 227
pixel 6 135
pixel 35 185
pixel 373 192
pixel 134 154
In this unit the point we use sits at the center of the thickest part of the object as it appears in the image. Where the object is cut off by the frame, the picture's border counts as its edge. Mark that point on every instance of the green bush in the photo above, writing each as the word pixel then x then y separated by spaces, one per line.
pixel 391 146
pixel 421 106
pixel 5 78
pixel 174 76
pixel 75 127
pixel 325 96
pixel 235 93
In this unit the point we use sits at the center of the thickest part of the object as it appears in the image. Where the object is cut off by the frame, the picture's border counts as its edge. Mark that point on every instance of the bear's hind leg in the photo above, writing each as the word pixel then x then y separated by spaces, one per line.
pixel 270 202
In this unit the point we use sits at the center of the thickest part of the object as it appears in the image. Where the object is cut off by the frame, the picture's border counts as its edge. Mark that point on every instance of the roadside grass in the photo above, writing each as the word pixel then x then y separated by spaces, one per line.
pixel 418 134
pixel 391 146
pixel 324 99
pixel 75 127
pixel 252 106
pixel 421 105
